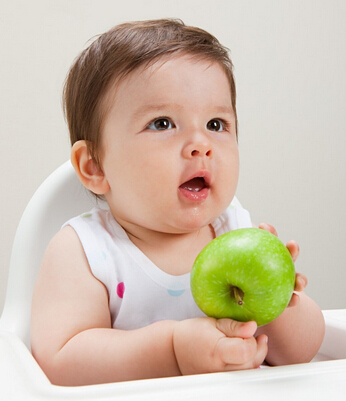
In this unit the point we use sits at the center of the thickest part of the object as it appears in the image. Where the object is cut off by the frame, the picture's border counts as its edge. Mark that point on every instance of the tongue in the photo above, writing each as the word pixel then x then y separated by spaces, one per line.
pixel 195 185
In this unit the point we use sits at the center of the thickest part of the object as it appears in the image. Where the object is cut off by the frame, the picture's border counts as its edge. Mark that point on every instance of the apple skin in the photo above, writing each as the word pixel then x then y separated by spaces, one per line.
pixel 245 274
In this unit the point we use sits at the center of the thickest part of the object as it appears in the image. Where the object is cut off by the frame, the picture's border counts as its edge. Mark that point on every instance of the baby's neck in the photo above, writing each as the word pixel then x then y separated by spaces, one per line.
pixel 173 253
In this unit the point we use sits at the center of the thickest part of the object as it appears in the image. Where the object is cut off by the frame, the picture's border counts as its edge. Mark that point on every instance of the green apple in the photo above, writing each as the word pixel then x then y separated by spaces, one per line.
pixel 245 274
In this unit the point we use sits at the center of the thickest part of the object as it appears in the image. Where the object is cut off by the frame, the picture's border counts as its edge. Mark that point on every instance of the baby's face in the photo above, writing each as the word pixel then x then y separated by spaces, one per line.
pixel 170 152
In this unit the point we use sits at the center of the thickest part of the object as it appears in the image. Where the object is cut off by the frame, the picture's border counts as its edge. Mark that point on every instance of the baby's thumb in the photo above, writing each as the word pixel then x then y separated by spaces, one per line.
pixel 232 328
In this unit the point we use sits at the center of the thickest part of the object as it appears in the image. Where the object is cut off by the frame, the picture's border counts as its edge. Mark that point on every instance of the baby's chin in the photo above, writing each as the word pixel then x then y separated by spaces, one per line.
pixel 192 224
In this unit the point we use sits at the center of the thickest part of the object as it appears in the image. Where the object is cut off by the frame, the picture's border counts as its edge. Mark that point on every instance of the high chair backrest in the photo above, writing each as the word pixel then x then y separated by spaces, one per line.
pixel 60 197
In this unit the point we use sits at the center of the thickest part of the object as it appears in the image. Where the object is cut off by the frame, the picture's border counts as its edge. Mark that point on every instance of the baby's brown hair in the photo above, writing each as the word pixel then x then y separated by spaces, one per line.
pixel 120 51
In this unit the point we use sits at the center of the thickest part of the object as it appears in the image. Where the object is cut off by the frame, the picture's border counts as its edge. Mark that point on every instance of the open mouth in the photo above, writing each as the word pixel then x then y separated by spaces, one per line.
pixel 196 189
pixel 195 184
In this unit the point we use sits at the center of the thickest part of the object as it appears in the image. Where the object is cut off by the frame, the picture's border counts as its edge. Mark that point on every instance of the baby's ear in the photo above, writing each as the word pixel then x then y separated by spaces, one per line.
pixel 90 175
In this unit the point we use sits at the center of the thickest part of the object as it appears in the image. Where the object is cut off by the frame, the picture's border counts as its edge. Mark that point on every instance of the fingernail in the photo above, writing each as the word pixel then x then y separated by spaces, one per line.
pixel 302 281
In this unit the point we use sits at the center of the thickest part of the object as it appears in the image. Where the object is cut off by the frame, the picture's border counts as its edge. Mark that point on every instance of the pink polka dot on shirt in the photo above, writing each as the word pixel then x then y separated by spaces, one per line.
pixel 121 290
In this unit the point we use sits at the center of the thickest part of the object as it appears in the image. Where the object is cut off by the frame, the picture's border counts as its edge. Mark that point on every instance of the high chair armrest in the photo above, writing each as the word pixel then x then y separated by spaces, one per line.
pixel 21 377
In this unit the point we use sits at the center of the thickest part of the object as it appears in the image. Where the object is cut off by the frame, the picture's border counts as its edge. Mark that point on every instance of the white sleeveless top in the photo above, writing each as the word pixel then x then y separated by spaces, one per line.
pixel 139 292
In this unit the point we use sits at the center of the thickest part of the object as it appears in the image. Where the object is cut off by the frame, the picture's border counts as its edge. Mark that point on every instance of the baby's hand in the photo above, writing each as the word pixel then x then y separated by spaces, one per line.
pixel 293 247
pixel 205 345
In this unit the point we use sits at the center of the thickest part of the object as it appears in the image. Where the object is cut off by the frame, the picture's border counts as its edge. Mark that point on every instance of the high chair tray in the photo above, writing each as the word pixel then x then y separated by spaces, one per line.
pixel 323 378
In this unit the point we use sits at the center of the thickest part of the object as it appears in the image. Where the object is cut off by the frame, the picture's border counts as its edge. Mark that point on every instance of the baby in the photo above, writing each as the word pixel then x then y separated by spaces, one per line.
pixel 151 108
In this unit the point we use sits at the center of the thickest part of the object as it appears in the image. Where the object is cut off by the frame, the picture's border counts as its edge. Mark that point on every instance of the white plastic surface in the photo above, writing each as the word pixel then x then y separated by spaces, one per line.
pixel 22 379
pixel 61 197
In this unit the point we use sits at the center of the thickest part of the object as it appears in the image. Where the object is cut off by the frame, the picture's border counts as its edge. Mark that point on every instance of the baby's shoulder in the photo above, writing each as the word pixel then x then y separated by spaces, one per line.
pixel 64 255
pixel 65 239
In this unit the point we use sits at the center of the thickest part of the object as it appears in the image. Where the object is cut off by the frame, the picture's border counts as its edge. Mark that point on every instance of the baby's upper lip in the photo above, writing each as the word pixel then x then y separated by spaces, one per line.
pixel 205 174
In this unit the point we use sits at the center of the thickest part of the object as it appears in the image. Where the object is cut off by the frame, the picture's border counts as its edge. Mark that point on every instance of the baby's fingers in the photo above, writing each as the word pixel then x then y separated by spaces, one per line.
pixel 237 353
pixel 240 349
pixel 233 328
pixel 293 247
pixel 268 227
pixel 301 282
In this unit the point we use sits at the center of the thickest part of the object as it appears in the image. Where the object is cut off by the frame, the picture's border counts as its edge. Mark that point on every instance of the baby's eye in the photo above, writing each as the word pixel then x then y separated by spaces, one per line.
pixel 161 124
pixel 217 125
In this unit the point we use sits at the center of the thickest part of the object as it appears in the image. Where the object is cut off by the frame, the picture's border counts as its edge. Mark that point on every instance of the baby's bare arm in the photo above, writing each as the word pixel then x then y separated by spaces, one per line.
pixel 72 338
pixel 73 341
pixel 296 335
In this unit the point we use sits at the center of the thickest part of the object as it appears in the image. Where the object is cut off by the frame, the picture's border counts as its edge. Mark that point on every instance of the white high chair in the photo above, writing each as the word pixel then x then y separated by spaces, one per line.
pixel 61 197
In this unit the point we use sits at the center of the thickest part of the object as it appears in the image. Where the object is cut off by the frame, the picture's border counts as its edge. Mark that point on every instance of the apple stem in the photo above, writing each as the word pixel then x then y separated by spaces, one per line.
pixel 237 294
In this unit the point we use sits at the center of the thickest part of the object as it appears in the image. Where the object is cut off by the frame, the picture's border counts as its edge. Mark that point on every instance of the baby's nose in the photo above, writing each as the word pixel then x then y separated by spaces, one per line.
pixel 199 148
pixel 202 152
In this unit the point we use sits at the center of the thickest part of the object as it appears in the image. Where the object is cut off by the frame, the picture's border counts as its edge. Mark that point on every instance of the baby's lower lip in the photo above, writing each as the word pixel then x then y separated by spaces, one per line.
pixel 195 196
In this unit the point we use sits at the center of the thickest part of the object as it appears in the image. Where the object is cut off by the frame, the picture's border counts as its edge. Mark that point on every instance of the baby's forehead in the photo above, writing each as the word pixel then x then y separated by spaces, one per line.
pixel 164 82
pixel 149 68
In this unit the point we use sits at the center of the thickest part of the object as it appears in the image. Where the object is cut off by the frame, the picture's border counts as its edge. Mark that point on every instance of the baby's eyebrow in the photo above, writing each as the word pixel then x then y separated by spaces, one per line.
pixel 162 107
pixel 155 108
pixel 223 109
